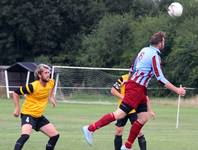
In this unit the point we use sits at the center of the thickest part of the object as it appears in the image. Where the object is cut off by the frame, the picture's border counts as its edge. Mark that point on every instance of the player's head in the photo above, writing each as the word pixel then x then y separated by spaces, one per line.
pixel 158 39
pixel 42 72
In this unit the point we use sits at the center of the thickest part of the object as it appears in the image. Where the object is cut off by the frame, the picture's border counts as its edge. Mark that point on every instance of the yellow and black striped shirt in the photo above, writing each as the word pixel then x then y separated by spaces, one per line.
pixel 36 97
pixel 119 85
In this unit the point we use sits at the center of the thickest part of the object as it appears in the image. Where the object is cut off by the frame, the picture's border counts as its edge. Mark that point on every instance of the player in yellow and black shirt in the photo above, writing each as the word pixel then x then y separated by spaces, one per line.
pixel 37 95
pixel 118 90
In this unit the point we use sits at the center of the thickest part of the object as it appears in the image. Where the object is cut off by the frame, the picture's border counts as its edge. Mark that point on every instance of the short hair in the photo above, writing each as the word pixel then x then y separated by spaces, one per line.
pixel 39 69
pixel 157 37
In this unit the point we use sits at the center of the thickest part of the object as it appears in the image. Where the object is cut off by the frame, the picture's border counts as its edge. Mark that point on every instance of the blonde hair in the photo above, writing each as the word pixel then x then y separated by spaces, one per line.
pixel 39 69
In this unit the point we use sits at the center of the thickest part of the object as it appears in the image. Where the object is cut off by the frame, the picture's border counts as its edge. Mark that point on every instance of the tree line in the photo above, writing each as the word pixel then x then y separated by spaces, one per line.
pixel 99 33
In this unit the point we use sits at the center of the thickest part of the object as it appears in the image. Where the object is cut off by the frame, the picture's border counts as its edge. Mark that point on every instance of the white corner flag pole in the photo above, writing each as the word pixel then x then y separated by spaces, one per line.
pixel 178 107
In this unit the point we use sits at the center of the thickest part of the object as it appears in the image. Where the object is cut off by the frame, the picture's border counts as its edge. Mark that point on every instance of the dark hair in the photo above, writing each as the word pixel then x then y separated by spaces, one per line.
pixel 157 37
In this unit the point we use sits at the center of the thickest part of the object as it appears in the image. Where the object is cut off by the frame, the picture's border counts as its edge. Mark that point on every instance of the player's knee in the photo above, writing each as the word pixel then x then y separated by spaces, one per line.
pixel 143 118
pixel 119 131
pixel 119 114
pixel 52 142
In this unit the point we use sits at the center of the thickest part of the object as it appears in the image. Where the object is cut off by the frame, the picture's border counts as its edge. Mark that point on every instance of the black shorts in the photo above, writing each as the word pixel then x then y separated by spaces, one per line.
pixel 36 123
pixel 126 108
pixel 132 117
pixel 122 122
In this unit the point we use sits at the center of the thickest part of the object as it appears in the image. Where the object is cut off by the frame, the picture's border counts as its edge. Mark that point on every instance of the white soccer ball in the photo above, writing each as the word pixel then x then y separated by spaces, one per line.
pixel 175 9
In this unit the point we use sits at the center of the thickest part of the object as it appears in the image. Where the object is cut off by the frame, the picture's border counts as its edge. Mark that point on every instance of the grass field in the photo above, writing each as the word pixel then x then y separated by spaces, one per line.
pixel 69 118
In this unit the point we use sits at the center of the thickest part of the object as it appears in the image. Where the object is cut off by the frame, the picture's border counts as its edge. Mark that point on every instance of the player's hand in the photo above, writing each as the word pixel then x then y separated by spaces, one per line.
pixel 181 91
pixel 16 112
pixel 53 101
pixel 152 114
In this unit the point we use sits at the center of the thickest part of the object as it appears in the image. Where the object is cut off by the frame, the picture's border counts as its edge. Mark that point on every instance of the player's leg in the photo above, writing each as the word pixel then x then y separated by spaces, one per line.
pixel 118 138
pixel 105 120
pixel 47 128
pixel 143 117
pixel 118 132
pixel 26 131
pixel 27 122
pixel 136 128
pixel 134 96
pixel 141 141
pixel 141 138
pixel 121 112
pixel 53 135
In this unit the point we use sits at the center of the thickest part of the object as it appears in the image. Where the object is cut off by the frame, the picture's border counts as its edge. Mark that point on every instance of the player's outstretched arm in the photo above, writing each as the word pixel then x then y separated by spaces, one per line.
pixel 16 112
pixel 160 77
pixel 179 90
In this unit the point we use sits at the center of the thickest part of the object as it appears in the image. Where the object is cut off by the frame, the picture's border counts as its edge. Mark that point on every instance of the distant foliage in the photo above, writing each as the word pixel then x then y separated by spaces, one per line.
pixel 106 45
pixel 99 33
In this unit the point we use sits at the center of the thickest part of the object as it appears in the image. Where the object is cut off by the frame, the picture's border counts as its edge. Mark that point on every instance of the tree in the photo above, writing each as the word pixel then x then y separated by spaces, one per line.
pixel 184 55
pixel 105 46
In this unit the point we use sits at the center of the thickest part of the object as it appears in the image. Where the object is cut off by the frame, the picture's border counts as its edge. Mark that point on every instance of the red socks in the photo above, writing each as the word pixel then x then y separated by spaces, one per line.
pixel 135 129
pixel 108 118
pixel 105 120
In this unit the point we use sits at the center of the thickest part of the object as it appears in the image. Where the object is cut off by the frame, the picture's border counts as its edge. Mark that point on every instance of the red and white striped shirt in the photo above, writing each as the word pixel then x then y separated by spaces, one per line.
pixel 146 65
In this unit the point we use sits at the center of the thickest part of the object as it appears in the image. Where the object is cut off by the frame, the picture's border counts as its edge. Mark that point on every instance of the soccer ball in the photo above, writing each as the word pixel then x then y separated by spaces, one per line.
pixel 175 9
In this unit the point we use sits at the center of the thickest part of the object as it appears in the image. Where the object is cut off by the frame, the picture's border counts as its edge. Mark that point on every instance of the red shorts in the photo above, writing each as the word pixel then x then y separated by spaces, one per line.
pixel 135 94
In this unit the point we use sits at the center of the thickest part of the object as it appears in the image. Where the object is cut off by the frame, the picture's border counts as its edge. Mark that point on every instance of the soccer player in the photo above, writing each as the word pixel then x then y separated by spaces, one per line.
pixel 118 90
pixel 147 64
pixel 36 99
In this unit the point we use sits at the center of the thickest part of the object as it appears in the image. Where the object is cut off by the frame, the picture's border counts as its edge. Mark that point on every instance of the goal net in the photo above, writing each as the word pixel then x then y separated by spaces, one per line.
pixel 85 84
pixel 89 84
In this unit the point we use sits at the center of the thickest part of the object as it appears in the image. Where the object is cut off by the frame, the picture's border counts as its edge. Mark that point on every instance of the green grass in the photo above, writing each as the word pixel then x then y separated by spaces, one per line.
pixel 69 118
